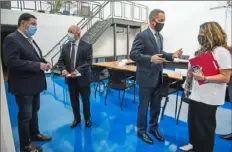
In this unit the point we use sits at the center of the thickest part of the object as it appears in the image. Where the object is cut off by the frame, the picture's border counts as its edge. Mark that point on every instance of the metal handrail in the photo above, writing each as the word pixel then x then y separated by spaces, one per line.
pixel 78 24
pixel 84 22
pixel 81 26
pixel 97 11
pixel 21 4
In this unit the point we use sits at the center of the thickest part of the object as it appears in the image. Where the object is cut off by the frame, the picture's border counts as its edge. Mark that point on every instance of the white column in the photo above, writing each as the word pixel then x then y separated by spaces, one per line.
pixel 7 143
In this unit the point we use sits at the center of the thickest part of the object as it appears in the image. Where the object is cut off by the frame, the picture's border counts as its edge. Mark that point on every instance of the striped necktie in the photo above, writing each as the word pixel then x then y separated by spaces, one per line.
pixel 73 58
pixel 158 41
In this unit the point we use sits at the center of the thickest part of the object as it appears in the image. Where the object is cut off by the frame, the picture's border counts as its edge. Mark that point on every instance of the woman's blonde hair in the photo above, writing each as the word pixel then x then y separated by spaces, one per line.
pixel 214 35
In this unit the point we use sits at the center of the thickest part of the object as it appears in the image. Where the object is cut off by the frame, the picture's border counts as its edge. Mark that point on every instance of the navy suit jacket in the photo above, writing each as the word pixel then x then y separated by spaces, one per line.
pixel 144 46
pixel 83 61
pixel 23 63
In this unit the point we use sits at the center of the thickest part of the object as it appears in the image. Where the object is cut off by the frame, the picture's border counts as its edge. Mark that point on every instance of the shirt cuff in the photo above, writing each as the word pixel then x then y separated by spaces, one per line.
pixel 64 71
pixel 78 73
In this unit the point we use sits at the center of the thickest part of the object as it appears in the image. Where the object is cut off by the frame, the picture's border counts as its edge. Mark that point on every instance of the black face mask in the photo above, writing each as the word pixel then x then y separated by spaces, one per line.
pixel 158 27
pixel 201 39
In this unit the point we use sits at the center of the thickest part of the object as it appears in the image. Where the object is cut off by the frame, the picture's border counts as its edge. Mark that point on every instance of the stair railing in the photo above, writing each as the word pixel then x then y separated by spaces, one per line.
pixel 82 24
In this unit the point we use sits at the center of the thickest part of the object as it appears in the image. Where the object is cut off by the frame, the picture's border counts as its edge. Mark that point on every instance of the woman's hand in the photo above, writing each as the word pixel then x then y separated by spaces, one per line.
pixel 198 76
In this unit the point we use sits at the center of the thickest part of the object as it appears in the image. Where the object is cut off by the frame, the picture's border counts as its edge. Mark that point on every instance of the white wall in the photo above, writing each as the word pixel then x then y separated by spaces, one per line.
pixel 104 46
pixel 7 144
pixel 51 27
pixel 183 19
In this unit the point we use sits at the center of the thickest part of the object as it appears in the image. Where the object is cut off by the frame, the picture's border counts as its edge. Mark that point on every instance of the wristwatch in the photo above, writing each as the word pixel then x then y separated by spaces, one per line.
pixel 206 80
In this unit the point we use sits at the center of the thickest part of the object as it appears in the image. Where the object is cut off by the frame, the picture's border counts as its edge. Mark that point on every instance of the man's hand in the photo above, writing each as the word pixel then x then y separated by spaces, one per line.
pixel 49 66
pixel 74 74
pixel 157 58
pixel 64 74
pixel 44 66
pixel 177 54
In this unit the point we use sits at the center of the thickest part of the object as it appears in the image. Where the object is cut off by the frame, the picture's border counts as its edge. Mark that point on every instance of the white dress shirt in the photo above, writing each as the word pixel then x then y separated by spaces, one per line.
pixel 213 93
pixel 30 40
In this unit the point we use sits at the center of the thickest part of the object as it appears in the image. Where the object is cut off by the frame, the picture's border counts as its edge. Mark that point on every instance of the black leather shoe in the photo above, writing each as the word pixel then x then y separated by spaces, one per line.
pixel 227 136
pixel 75 123
pixel 31 148
pixel 145 138
pixel 88 123
pixel 157 135
pixel 40 137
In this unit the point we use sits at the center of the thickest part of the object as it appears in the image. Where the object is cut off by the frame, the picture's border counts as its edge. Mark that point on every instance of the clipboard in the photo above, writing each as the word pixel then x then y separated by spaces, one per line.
pixel 207 63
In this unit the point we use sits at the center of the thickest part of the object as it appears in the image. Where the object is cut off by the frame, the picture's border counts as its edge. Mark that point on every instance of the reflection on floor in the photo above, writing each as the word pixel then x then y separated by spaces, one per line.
pixel 113 130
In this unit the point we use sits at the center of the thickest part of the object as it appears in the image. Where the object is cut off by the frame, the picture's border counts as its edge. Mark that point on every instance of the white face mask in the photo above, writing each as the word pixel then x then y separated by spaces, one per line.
pixel 71 37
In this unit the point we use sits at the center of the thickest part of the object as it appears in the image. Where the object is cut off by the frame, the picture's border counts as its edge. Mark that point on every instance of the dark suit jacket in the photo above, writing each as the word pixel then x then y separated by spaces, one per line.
pixel 83 61
pixel 23 63
pixel 144 46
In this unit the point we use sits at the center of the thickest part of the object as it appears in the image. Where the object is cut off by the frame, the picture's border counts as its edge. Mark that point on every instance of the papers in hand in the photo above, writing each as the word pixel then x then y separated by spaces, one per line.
pixel 183 72
pixel 78 74
pixel 180 60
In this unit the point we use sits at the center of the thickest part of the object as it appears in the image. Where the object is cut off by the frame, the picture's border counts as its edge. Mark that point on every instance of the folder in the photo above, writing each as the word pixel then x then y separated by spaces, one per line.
pixel 207 63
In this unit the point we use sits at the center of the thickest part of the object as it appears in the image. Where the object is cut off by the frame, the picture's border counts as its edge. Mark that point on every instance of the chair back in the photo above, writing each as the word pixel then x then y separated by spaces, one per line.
pixel 97 72
pixel 117 79
pixel 165 86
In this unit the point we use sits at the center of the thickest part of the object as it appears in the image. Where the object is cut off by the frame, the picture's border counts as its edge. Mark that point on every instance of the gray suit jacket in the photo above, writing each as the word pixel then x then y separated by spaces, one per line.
pixel 144 46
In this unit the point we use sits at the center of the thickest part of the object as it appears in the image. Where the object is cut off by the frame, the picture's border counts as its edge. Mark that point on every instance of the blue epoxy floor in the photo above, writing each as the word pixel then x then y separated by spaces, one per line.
pixel 113 130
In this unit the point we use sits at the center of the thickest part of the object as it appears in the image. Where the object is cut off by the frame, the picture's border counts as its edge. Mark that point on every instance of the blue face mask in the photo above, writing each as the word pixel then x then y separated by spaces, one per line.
pixel 71 37
pixel 31 30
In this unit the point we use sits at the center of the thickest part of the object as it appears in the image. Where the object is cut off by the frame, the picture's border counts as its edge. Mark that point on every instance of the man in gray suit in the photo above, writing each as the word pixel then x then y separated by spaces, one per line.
pixel 147 51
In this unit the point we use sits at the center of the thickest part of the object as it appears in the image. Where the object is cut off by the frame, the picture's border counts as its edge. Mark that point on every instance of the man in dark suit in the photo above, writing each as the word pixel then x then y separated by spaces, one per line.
pixel 147 51
pixel 75 64
pixel 26 79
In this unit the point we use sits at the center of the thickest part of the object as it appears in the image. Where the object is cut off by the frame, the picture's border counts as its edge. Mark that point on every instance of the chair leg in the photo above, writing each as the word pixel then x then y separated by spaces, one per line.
pixel 95 93
pixel 107 91
pixel 164 107
pixel 178 114
pixel 177 93
pixel 119 94
pixel 134 93
pixel 122 99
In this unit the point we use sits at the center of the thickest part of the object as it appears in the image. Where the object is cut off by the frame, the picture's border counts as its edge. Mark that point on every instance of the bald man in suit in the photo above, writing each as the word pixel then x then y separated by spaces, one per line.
pixel 75 64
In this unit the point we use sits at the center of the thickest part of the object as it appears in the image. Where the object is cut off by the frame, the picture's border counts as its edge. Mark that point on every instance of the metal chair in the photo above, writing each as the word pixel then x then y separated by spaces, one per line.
pixel 166 90
pixel 99 74
pixel 118 81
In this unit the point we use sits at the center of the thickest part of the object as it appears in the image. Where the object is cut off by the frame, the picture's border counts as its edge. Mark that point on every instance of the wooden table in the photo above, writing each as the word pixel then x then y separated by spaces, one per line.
pixel 132 68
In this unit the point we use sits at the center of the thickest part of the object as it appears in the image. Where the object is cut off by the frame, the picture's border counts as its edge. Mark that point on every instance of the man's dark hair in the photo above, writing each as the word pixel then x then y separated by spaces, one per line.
pixel 25 17
pixel 154 13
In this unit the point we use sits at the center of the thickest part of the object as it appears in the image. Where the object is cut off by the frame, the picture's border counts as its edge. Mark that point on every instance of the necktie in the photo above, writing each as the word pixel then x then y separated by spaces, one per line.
pixel 73 58
pixel 158 41
pixel 40 54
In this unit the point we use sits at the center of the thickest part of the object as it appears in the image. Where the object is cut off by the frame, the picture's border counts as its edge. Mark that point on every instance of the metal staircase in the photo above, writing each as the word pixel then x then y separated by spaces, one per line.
pixel 96 31
pixel 94 26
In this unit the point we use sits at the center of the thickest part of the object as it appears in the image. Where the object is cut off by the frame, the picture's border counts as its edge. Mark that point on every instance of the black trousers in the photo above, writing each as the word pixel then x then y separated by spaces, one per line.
pixel 230 89
pixel 152 97
pixel 27 117
pixel 202 125
pixel 74 90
